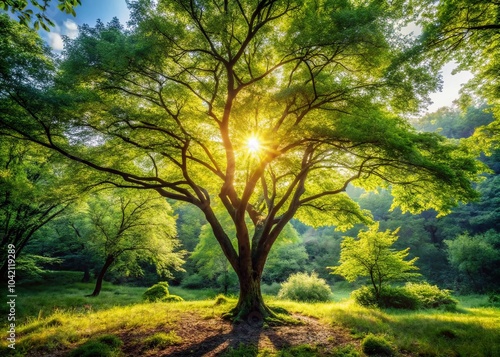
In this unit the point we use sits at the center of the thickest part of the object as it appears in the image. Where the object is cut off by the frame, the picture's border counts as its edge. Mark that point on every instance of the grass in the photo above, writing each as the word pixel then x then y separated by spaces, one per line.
pixel 468 332
pixel 161 340
pixel 297 351
pixel 56 316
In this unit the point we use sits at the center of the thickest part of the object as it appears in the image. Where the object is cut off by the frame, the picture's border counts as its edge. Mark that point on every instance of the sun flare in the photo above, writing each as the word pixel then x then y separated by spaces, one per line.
pixel 253 144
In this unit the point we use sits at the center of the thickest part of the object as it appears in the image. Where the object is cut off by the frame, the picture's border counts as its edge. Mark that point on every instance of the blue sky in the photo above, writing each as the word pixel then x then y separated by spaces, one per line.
pixel 91 10
pixel 87 13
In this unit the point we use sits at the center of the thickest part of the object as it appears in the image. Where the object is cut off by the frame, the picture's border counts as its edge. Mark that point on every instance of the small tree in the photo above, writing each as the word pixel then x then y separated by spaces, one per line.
pixel 371 256
pixel 127 227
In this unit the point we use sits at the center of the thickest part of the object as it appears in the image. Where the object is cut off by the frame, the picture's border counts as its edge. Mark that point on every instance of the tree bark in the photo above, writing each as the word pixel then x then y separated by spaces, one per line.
pixel 98 284
pixel 251 307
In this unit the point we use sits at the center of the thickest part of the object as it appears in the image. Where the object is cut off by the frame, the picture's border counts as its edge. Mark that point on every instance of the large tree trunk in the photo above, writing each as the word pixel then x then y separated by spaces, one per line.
pixel 98 284
pixel 251 307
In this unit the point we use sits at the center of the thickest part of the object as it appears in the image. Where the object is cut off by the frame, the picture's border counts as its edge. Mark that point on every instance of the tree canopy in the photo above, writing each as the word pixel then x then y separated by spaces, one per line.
pixel 268 110
pixel 468 32
pixel 35 188
pixel 127 227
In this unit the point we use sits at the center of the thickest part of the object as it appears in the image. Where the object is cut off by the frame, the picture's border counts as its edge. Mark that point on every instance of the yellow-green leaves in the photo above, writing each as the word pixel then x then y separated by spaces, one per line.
pixel 371 256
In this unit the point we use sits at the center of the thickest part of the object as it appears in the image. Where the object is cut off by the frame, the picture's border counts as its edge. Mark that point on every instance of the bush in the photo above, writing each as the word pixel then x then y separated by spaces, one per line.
pixel 172 298
pixel 389 297
pixel 411 297
pixel 156 292
pixel 365 296
pixel 430 296
pixel 398 298
pixel 305 287
pixel 376 345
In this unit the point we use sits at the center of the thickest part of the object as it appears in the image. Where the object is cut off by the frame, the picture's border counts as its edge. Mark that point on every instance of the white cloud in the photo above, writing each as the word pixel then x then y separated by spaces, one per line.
pixel 452 83
pixel 70 28
pixel 55 41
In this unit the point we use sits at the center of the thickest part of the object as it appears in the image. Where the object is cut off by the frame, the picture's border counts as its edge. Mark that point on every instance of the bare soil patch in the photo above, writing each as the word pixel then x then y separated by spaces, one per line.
pixel 214 336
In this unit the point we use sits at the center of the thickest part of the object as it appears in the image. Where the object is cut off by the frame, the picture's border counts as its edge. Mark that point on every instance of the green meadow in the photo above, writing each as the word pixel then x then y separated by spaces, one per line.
pixel 56 319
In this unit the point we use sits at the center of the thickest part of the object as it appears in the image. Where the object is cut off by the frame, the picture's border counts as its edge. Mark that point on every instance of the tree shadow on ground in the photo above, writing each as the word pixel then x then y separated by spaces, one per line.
pixel 245 335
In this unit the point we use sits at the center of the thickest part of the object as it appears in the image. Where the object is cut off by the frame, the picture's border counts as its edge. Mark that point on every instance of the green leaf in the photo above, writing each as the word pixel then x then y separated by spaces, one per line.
pixel 45 27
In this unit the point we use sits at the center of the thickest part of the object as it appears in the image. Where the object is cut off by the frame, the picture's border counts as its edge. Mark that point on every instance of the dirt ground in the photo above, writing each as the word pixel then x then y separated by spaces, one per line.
pixel 214 336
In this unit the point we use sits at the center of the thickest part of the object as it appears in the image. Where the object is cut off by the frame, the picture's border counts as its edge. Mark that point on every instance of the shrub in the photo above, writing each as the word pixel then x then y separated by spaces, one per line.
pixel 156 292
pixel 389 297
pixel 430 296
pixel 172 298
pixel 376 345
pixel 305 287
pixel 162 340
pixel 398 298
pixel 365 296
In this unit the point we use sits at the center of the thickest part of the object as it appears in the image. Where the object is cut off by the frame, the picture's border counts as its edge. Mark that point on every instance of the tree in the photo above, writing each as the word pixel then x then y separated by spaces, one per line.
pixel 467 31
pixel 131 226
pixel 211 262
pixel 287 256
pixel 371 256
pixel 477 259
pixel 67 238
pixel 26 14
pixel 268 110
pixel 285 260
pixel 453 123
pixel 34 190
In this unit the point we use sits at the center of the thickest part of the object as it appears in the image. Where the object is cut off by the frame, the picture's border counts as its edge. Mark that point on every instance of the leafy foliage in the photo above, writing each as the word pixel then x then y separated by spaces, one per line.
pixel 305 287
pixel 168 105
pixel 371 256
pixel 35 189
pixel 430 296
pixel 30 268
pixel 466 31
pixel 477 259
pixel 387 298
pixel 412 296
pixel 172 298
pixel 156 292
pixel 26 15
